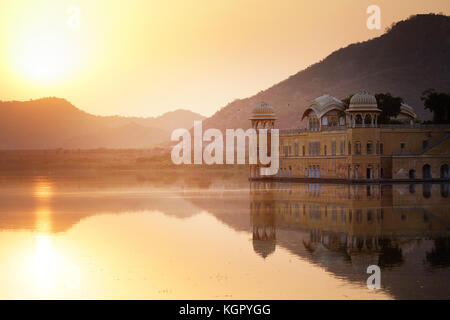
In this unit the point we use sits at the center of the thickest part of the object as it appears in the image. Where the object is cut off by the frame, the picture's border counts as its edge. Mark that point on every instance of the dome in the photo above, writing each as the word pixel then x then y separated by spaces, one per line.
pixel 363 101
pixel 324 104
pixel 263 111
pixel 264 248
pixel 408 111
pixel 363 98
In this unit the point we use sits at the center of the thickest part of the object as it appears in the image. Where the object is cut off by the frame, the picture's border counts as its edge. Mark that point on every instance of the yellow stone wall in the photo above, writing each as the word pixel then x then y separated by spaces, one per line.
pixel 413 139
pixel 402 151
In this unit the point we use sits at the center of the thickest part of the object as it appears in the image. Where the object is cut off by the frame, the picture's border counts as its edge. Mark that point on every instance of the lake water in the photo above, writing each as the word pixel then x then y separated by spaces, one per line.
pixel 132 238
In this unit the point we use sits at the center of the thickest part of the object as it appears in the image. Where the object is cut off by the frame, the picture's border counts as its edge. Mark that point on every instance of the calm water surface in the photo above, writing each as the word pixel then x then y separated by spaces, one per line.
pixel 228 239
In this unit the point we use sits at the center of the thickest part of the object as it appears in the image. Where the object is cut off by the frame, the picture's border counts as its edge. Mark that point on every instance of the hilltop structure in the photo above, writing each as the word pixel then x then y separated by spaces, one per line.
pixel 349 144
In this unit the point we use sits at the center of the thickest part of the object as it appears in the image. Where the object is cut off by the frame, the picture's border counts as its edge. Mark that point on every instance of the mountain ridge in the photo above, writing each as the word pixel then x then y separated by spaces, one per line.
pixel 52 122
pixel 409 58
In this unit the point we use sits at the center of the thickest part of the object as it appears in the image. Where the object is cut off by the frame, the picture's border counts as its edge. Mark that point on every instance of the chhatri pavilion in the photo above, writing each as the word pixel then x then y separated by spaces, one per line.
pixel 342 143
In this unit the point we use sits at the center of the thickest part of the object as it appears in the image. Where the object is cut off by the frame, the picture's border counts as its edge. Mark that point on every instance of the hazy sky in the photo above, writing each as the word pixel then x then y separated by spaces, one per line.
pixel 147 57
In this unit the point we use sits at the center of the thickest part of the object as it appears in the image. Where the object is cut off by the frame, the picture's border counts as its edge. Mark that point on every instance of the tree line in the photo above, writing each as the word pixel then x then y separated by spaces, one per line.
pixel 438 103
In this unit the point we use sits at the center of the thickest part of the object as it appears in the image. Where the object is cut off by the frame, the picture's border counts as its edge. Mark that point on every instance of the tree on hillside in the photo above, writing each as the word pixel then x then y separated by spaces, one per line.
pixel 389 105
pixel 438 103
pixel 346 101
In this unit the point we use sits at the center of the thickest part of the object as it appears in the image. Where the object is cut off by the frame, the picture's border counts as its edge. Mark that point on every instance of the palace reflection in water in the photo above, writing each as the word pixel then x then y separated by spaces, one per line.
pixel 404 229
pixel 264 239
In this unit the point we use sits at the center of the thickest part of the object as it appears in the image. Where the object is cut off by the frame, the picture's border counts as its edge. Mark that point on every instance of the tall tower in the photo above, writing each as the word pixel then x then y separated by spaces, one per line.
pixel 263 117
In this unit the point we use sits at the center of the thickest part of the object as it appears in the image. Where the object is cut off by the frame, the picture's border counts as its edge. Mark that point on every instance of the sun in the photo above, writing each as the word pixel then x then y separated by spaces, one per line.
pixel 45 59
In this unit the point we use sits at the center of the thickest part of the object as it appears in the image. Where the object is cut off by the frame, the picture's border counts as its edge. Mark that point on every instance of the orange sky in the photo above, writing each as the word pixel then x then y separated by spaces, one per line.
pixel 147 57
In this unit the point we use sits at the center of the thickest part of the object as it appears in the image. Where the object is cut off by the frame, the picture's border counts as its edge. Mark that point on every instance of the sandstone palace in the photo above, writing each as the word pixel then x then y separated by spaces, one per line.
pixel 349 144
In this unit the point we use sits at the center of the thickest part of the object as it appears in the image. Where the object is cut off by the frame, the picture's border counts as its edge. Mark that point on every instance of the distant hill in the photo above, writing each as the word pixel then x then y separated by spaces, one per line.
pixel 408 59
pixel 412 56
pixel 55 123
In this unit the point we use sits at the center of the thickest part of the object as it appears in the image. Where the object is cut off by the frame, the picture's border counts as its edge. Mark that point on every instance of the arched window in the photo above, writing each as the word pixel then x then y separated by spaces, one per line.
pixel 342 121
pixel 313 124
pixel 444 171
pixel 357 147
pixel 333 122
pixel 369 215
pixel 412 174
pixel 369 147
pixel 426 172
pixel 358 119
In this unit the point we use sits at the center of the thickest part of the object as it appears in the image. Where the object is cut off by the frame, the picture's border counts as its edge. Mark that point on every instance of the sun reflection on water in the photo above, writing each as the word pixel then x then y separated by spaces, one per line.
pixel 44 258
pixel 73 244
pixel 43 190
pixel 44 262
pixel 52 269
pixel 44 255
